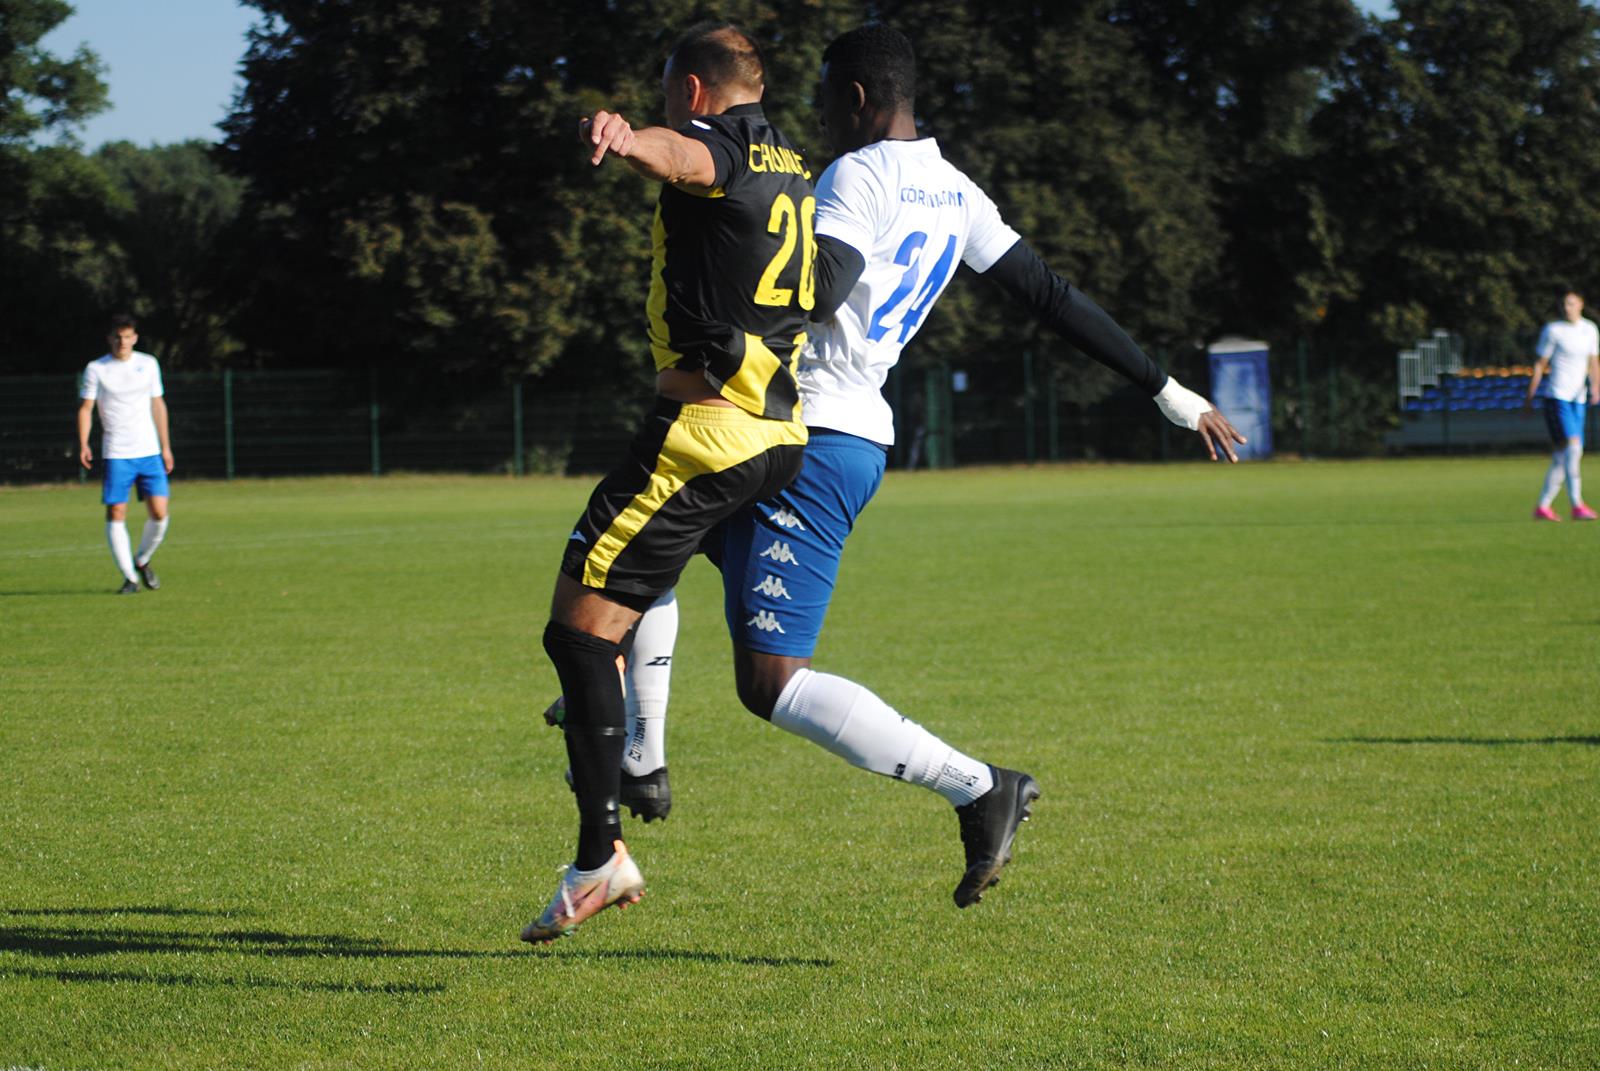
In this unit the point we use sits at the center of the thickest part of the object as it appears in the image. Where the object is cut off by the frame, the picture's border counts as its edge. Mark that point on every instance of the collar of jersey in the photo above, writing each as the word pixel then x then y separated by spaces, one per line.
pixel 753 108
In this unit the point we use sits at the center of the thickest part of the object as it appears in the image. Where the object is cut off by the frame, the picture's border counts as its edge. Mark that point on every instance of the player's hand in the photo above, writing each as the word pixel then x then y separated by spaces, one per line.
pixel 85 456
pixel 166 459
pixel 1218 434
pixel 605 132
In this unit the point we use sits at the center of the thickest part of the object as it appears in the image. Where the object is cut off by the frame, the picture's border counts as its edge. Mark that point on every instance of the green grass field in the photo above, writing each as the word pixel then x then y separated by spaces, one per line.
pixel 1320 747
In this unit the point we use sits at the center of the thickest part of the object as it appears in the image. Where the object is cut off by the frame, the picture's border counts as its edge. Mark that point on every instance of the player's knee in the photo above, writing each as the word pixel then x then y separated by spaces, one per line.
pixel 761 681
pixel 118 512
pixel 584 663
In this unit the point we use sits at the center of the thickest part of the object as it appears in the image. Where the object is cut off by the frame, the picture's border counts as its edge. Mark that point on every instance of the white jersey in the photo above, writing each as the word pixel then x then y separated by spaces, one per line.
pixel 911 216
pixel 123 390
pixel 1568 347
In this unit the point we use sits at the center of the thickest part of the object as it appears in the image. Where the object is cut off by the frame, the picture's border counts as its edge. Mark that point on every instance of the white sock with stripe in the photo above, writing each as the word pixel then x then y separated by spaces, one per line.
pixel 1553 477
pixel 121 551
pixel 149 539
pixel 649 680
pixel 1574 458
pixel 862 729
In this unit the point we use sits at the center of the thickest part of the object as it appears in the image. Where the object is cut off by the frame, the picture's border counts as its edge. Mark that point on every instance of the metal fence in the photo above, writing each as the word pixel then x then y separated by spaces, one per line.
pixel 227 424
pixel 1022 409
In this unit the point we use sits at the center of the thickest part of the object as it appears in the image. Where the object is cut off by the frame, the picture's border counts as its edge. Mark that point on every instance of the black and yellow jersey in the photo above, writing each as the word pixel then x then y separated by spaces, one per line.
pixel 733 275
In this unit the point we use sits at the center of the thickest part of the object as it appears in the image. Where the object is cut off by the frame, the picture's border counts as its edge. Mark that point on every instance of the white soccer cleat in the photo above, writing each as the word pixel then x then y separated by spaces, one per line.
pixel 582 893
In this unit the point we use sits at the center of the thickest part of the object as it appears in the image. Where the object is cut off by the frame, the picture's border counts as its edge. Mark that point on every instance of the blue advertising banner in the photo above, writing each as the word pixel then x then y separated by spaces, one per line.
pixel 1241 388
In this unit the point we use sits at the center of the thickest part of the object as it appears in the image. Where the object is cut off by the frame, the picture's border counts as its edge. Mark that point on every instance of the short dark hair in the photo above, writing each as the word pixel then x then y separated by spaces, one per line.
pixel 720 53
pixel 119 320
pixel 881 59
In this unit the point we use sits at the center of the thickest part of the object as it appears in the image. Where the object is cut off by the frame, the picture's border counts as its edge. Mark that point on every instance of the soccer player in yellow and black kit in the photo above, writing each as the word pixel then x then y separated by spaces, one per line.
pixel 732 282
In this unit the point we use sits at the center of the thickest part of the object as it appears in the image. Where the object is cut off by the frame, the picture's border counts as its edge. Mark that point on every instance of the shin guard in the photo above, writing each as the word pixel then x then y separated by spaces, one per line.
pixel 587 666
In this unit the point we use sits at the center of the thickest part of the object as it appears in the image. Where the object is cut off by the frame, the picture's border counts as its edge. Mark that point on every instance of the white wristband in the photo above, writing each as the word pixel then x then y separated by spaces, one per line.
pixel 1181 405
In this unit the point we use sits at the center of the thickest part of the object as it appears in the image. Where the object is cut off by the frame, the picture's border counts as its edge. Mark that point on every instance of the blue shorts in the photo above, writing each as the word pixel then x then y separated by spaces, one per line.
pixel 123 472
pixel 780 558
pixel 1564 420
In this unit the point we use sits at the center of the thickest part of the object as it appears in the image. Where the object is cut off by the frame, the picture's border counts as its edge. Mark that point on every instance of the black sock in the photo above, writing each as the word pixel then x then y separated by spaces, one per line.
pixel 587 666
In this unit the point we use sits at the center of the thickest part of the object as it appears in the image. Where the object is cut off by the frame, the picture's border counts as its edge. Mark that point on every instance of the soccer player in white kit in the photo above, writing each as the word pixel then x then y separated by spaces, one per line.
pixel 134 446
pixel 1567 373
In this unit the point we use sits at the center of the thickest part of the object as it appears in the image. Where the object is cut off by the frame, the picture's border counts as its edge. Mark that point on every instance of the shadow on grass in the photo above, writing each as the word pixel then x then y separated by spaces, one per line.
pixel 66 942
pixel 141 909
pixel 191 980
pixel 694 957
pixel 1481 741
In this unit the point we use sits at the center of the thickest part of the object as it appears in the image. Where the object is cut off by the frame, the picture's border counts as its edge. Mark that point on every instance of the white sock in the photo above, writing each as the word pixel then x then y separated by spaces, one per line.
pixel 117 536
pixel 865 731
pixel 149 539
pixel 649 679
pixel 1553 477
pixel 1574 455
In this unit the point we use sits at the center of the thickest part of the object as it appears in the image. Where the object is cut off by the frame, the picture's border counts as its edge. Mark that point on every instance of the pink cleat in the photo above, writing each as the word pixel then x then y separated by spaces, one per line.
pixel 1581 512
pixel 580 894
pixel 1545 513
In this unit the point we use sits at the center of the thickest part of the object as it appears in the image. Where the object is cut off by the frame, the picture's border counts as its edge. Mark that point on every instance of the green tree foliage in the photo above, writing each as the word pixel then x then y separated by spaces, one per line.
pixel 52 272
pixel 1052 110
pixel 173 230
pixel 1249 77
pixel 1460 141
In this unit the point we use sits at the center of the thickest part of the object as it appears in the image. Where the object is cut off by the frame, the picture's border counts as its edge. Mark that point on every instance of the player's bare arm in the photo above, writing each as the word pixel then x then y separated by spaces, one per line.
pixel 1594 379
pixel 85 420
pixel 1541 368
pixel 655 152
pixel 158 413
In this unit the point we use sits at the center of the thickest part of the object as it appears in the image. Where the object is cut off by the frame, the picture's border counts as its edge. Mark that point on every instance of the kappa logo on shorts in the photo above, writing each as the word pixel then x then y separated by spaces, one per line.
pixel 773 587
pixel 780 553
pixel 766 621
pixel 577 536
pixel 784 519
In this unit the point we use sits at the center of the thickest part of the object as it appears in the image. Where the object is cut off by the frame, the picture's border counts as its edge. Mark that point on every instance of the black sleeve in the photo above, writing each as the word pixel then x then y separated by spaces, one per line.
pixel 726 147
pixel 1080 321
pixel 839 265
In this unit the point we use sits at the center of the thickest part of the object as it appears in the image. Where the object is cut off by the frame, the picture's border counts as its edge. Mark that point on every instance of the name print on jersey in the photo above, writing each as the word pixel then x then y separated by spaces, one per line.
pixel 915 195
pixel 764 158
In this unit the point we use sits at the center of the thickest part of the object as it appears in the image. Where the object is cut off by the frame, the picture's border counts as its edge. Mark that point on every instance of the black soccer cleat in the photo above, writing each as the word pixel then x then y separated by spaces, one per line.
pixel 129 587
pixel 648 797
pixel 988 826
pixel 151 580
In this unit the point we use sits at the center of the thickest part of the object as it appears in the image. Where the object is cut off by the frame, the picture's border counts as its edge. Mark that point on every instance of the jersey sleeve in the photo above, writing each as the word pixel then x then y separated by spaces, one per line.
pixel 1547 343
pixel 988 236
pixel 89 383
pixel 156 389
pixel 728 150
pixel 850 204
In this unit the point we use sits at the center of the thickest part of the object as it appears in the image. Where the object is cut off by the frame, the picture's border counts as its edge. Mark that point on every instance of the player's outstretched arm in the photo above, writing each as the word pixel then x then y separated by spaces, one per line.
pixel 1022 274
pixel 654 152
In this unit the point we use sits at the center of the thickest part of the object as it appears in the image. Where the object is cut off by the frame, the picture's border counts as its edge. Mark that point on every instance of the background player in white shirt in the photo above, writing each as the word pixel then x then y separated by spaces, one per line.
pixel 135 448
pixel 892 220
pixel 1567 373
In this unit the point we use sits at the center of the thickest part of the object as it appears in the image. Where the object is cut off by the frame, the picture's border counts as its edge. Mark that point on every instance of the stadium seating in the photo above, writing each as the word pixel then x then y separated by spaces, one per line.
pixel 1477 390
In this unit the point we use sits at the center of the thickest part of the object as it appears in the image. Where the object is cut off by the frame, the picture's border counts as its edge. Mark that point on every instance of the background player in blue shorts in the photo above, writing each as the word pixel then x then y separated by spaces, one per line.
pixel 135 447
pixel 1567 374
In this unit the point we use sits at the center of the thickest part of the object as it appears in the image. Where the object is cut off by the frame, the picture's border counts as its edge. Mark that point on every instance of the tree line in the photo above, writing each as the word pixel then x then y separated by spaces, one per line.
pixel 397 184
